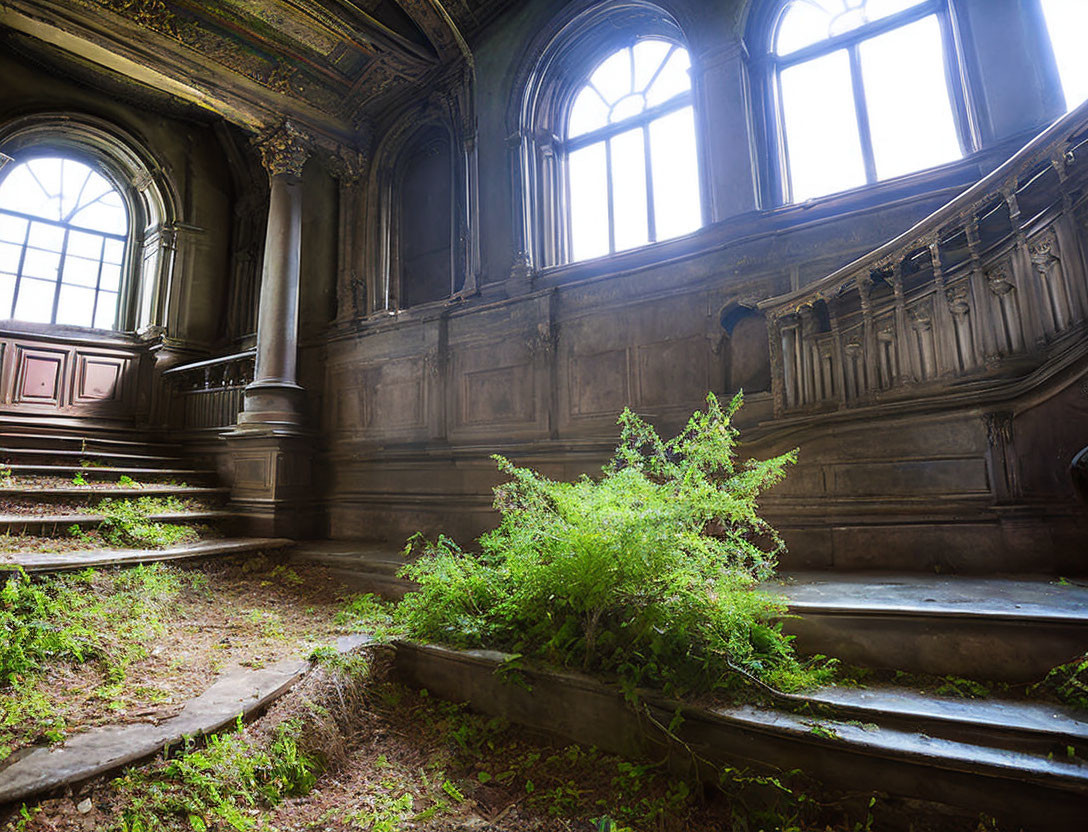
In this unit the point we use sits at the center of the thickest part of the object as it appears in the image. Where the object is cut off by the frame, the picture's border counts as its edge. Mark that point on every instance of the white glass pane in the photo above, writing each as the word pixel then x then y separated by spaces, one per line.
pixel 75 306
pixel 41 264
pixel 822 139
pixel 1067 23
pixel 114 251
pixel 111 277
pixel 35 301
pixel 878 9
pixel 78 186
pixel 12 229
pixel 613 77
pixel 79 271
pixel 627 107
pixel 675 168
pixel 673 79
pixel 926 137
pixel 84 245
pixel 48 237
pixel 46 174
pixel 648 57
pixel 629 190
pixel 7 292
pixel 21 192
pixel 9 257
pixel 106 214
pixel 588 202
pixel 803 23
pixel 588 113
pixel 106 315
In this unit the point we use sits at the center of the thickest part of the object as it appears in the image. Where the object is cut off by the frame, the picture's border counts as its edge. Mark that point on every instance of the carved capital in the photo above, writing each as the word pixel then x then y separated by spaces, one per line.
pixel 284 150
pixel 998 281
pixel 998 428
pixel 350 165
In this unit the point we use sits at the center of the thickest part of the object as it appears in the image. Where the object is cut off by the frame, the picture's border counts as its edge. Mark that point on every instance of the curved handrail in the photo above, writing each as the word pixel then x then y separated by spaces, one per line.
pixel 210 362
pixel 1033 153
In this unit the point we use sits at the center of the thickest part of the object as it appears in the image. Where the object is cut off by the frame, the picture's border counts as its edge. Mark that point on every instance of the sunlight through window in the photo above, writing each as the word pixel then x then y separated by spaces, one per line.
pixel 63 231
pixel 1067 24
pixel 632 172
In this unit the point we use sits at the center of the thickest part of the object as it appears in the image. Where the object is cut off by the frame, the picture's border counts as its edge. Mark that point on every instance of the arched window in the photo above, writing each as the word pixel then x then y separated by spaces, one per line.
pixel 862 92
pixel 1067 25
pixel 632 170
pixel 64 235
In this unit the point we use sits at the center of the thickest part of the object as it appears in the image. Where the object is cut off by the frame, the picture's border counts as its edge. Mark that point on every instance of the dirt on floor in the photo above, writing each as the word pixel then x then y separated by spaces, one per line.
pixel 246 612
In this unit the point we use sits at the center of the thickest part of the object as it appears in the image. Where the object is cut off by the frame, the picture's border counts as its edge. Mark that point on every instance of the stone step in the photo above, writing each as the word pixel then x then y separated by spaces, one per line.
pixel 52 525
pixel 80 442
pixel 1011 630
pixel 92 495
pixel 364 566
pixel 103 558
pixel 93 473
pixel 43 456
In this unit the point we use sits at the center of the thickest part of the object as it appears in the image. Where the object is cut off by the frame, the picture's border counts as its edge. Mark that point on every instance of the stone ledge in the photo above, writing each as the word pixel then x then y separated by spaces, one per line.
pixel 62 561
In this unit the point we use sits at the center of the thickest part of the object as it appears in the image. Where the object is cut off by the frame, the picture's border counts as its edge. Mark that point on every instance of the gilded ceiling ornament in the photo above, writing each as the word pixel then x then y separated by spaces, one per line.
pixel 284 149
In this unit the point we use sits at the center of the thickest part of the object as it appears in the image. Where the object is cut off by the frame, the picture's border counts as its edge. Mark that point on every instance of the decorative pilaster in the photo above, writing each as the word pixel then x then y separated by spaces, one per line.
pixel 351 167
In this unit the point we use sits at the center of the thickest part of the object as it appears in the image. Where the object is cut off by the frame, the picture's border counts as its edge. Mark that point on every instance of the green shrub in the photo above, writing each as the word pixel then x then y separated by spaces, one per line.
pixel 125 523
pixel 1069 682
pixel 648 573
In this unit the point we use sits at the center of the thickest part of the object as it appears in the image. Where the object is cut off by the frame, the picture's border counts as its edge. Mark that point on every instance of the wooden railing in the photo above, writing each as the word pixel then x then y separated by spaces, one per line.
pixel 988 285
pixel 208 394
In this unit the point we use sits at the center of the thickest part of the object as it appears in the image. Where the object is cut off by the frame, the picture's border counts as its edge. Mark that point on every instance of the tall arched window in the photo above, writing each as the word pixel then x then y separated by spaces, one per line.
pixel 632 169
pixel 64 233
pixel 863 92
pixel 1067 26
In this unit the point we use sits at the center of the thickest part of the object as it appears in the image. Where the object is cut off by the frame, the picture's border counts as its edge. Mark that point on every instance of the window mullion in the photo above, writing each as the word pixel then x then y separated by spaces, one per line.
pixel 60 271
pixel 651 222
pixel 98 283
pixel 862 114
pixel 19 273
pixel 611 207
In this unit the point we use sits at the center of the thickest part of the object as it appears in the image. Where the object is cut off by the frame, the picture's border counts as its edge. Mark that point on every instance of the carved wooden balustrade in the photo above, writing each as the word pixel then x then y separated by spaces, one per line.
pixel 988 286
pixel 208 394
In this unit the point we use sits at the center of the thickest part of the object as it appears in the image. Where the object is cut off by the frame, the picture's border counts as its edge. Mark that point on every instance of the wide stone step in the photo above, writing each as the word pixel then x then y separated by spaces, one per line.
pixel 51 525
pixel 93 473
pixel 39 456
pixel 365 566
pixel 98 558
pixel 1011 630
pixel 85 442
pixel 92 495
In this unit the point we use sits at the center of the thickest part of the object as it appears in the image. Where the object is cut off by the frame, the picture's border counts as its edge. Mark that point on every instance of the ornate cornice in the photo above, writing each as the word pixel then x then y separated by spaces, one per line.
pixel 284 149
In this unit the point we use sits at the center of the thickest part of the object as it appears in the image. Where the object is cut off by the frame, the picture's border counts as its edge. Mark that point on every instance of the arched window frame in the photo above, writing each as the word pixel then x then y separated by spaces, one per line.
pixel 149 198
pixel 766 65
pixel 558 67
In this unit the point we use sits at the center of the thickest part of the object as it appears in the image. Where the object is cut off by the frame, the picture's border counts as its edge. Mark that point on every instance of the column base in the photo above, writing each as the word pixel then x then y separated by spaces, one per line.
pixel 272 490
pixel 271 405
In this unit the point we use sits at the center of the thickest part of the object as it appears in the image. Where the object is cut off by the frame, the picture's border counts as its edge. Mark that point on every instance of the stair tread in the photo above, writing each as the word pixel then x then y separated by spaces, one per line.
pixel 164 516
pixel 1027 717
pixel 907 594
pixel 58 561
pixel 149 490
pixel 88 454
pixel 93 469
pixel 72 437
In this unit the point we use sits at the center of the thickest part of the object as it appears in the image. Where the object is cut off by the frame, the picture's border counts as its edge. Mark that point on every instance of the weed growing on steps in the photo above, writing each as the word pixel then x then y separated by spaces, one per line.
pixel 126 524
pixel 648 573
pixel 7 479
pixel 1068 683
pixel 90 616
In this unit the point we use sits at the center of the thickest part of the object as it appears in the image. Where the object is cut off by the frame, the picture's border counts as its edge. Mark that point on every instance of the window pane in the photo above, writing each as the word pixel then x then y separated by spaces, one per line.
pixel 48 237
pixel 675 169
pixel 75 306
pixel 111 277
pixel 648 57
pixel 822 140
pixel 105 214
pixel 629 190
pixel 898 146
pixel 588 202
pixel 78 271
pixel 41 264
pixel 627 107
pixel 35 302
pixel 106 315
pixel 673 80
pixel 588 113
pixel 12 229
pixel 613 77
pixel 1067 22
pixel 9 257
pixel 114 251
pixel 84 245
pixel 802 23
pixel 7 293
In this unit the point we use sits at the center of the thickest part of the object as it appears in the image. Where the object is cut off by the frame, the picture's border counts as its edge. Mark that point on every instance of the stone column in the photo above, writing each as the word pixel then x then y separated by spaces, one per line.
pixel 275 397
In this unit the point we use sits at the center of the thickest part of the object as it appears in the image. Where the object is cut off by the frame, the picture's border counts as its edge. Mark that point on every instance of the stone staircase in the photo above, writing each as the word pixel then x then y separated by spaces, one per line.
pixel 54 479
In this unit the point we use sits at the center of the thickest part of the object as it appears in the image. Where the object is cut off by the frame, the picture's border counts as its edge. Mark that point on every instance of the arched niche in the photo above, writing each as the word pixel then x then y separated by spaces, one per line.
pixel 748 362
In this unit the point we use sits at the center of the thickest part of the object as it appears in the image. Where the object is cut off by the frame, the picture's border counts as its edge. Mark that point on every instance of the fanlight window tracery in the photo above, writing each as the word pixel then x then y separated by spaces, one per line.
pixel 632 169
pixel 63 237
pixel 862 92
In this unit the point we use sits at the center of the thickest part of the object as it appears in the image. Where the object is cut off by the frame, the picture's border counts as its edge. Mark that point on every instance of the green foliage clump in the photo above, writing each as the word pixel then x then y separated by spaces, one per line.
pixel 126 523
pixel 648 573
pixel 1069 682
pixel 89 616
pixel 217 786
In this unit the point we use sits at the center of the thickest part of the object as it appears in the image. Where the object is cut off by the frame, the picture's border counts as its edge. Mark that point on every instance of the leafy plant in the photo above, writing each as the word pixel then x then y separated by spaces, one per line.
pixel 648 573
pixel 79 479
pixel 126 523
pixel 1069 682
pixel 6 477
